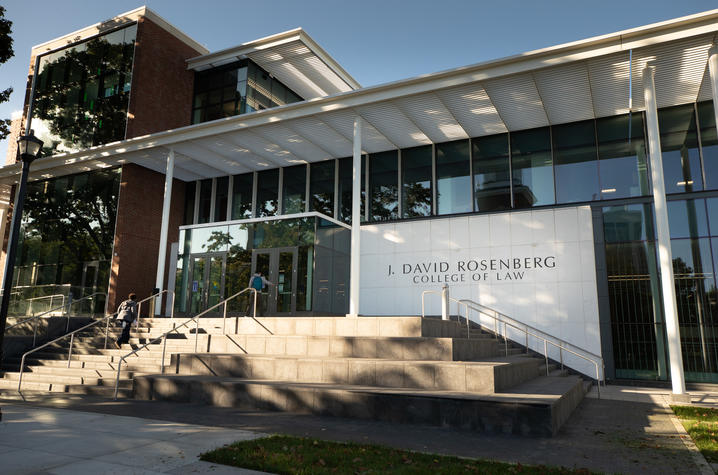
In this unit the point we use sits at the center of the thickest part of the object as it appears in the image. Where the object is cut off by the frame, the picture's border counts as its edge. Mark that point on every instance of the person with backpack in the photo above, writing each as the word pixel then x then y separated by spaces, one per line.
pixel 258 283
pixel 127 314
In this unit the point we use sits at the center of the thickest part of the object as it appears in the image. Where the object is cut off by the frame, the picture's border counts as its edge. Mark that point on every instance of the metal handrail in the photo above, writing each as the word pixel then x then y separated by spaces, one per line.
pixel 40 315
pixel 528 330
pixel 163 337
pixel 51 297
pixel 72 336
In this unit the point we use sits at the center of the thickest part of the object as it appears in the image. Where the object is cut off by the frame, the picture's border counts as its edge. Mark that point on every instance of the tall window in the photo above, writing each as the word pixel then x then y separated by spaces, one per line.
pixel 267 192
pixel 453 180
pixel 416 178
pixel 575 162
pixel 384 183
pixel 294 189
pixel 679 147
pixel 345 188
pixel 532 169
pixel 622 156
pixel 82 92
pixel 492 176
pixel 709 143
pixel 220 201
pixel 205 201
pixel 321 187
pixel 242 195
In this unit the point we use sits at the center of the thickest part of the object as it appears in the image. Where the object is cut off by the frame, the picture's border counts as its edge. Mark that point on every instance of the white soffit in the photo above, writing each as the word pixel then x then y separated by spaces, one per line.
pixel 372 141
pixel 432 117
pixel 609 84
pixel 393 124
pixel 471 106
pixel 299 145
pixel 517 101
pixel 566 92
pixel 323 135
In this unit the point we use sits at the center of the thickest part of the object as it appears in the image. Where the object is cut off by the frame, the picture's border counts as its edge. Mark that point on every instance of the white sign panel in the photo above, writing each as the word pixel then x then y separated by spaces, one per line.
pixel 537 267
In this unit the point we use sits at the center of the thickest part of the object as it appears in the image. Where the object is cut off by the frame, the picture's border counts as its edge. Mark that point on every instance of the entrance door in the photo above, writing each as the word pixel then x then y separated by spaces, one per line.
pixel 206 281
pixel 278 266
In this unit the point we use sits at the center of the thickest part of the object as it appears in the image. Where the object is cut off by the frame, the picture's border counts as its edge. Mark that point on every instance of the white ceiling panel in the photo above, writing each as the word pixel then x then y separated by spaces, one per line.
pixel 517 101
pixel 322 135
pixel 202 154
pixel 267 150
pixel 609 84
pixel 566 93
pixel 433 118
pixel 287 138
pixel 393 124
pixel 343 122
pixel 471 106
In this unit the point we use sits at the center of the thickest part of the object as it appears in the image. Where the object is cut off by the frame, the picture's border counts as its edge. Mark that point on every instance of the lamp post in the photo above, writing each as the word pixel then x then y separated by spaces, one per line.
pixel 28 147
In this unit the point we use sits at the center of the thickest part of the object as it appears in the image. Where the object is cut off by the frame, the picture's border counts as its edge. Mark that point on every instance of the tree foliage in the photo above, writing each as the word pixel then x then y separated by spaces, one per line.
pixel 6 52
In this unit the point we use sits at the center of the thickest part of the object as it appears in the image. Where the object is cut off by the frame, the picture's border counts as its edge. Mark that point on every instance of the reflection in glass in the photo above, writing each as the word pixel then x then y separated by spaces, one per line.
pixel 453 180
pixel 709 143
pixel 321 187
pixel 622 156
pixel 575 162
pixel 492 175
pixel 242 196
pixel 416 181
pixel 267 192
pixel 345 189
pixel 679 147
pixel 205 200
pixel 532 168
pixel 687 218
pixel 294 189
pixel 383 180
pixel 189 198
pixel 628 223
pixel 220 201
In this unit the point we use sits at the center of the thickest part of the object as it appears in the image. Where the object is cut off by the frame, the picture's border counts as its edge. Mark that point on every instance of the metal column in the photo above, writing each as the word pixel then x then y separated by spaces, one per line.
pixel 356 222
pixel 663 237
pixel 162 254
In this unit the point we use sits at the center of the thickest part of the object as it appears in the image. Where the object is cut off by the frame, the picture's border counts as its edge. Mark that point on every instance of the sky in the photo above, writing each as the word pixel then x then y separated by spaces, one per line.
pixel 376 41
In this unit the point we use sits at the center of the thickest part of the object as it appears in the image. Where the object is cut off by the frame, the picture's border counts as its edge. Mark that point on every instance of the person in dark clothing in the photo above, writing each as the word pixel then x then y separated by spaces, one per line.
pixel 127 314
pixel 258 282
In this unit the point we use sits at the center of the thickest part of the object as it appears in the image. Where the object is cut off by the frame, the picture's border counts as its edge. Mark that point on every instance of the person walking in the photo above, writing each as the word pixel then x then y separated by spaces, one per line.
pixel 127 314
pixel 258 283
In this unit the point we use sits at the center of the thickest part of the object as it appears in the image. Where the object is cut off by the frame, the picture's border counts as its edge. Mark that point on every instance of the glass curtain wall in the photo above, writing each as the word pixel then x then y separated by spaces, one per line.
pixel 267 192
pixel 532 168
pixel 453 178
pixel 679 147
pixel 321 187
pixel 65 246
pixel 221 197
pixel 294 189
pixel 709 144
pixel 416 178
pixel 622 157
pixel 384 185
pixel 242 186
pixel 575 162
pixel 492 173
pixel 82 92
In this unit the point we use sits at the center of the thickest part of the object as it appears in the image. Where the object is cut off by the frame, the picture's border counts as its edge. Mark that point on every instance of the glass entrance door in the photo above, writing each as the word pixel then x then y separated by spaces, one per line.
pixel 206 281
pixel 278 266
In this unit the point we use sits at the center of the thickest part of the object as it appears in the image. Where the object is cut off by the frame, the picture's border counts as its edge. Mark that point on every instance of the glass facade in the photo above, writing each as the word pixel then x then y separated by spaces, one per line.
pixel 82 92
pixel 65 246
pixel 492 173
pixel 294 189
pixel 384 186
pixel 416 180
pixel 237 88
pixel 453 177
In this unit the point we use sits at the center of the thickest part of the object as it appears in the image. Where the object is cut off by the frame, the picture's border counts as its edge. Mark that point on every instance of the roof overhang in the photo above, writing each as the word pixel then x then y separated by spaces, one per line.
pixel 293 57
pixel 573 82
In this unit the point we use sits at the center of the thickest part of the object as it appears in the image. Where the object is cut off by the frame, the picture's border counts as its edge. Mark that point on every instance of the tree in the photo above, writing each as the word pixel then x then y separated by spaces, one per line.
pixel 6 52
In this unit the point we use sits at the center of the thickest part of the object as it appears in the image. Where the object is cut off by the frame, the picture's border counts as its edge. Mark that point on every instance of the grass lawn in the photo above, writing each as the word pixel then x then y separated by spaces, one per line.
pixel 295 455
pixel 702 425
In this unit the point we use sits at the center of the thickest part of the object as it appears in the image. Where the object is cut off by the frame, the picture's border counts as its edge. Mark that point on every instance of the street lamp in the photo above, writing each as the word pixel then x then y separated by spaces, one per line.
pixel 28 148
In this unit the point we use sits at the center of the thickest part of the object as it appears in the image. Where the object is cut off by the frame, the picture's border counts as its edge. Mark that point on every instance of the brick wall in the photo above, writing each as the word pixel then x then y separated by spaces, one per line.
pixel 162 87
pixel 137 232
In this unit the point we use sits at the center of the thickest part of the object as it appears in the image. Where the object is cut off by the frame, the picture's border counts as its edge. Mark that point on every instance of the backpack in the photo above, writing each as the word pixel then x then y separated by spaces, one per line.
pixel 125 311
pixel 257 283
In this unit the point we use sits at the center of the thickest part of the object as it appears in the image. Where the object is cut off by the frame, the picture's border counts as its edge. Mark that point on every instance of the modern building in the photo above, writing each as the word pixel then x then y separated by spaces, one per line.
pixel 524 184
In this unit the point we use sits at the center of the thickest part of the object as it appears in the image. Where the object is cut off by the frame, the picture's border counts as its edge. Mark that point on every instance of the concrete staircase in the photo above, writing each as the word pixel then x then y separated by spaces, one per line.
pixel 398 369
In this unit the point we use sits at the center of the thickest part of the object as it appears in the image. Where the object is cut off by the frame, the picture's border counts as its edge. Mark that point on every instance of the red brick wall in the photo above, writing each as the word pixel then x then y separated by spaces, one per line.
pixel 137 232
pixel 162 87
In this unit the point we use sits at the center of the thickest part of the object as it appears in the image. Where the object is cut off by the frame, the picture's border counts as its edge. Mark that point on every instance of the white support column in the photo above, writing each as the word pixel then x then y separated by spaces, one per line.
pixel 162 254
pixel 663 236
pixel 356 222
pixel 713 71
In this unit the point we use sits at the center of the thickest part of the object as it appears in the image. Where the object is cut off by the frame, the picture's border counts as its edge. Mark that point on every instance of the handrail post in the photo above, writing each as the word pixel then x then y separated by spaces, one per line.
pixel 67 313
pixel 506 340
pixel 545 352
pixel 422 304
pixel 598 382
pixel 255 303
pixel 172 310
pixel 468 327
pixel 527 339
pixel 107 330
pixel 69 353
pixel 224 318
pixel 117 380
pixel 560 354
pixel 139 314
pixel 196 334
pixel 22 366
pixel 34 333
pixel 445 302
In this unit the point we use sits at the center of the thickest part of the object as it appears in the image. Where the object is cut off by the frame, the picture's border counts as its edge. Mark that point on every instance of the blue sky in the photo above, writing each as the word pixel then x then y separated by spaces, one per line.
pixel 376 41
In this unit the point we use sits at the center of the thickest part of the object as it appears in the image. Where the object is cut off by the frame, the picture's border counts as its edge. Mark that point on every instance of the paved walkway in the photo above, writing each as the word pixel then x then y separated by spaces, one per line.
pixel 629 430
pixel 46 440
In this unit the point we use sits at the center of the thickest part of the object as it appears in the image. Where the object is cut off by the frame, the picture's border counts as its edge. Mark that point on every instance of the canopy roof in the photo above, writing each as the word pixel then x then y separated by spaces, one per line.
pixel 572 82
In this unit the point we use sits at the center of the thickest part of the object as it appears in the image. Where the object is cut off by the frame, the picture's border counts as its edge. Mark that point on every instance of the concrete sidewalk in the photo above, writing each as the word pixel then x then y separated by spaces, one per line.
pixel 629 430
pixel 37 439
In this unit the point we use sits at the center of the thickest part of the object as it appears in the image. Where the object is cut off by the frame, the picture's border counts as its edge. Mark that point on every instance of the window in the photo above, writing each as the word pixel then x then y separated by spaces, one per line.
pixel 709 143
pixel 687 218
pixel 531 168
pixel 679 147
pixel 189 198
pixel 294 189
pixel 267 192
pixel 345 188
pixel 242 195
pixel 575 162
pixel 492 176
pixel 220 201
pixel 384 183
pixel 416 178
pixel 205 200
pixel 453 180
pixel 321 187
pixel 622 157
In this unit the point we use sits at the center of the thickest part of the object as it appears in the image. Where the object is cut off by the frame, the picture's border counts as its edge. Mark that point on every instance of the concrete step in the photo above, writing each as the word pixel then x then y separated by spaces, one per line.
pixel 537 409
pixel 83 372
pixel 14 365
pixel 482 377
pixel 63 379
pixel 145 358
pixel 10 386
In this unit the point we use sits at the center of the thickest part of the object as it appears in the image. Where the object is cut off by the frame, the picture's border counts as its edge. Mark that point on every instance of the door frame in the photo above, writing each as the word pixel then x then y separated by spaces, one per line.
pixel 273 291
pixel 204 299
